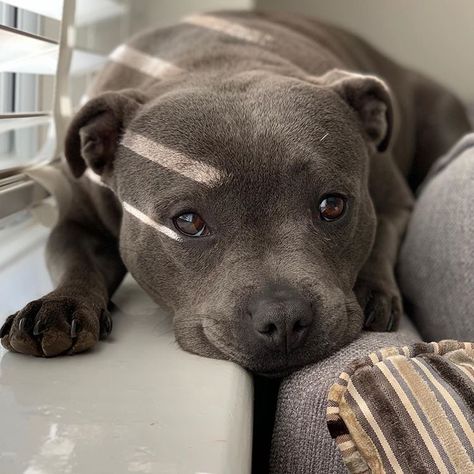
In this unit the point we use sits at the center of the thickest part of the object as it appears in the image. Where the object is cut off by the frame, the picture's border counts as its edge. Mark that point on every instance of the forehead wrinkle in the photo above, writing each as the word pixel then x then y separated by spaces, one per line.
pixel 327 177
pixel 171 159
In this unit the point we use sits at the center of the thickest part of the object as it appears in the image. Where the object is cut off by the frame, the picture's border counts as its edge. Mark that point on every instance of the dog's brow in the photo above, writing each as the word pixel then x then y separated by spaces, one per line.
pixel 150 222
pixel 229 28
pixel 145 63
pixel 171 159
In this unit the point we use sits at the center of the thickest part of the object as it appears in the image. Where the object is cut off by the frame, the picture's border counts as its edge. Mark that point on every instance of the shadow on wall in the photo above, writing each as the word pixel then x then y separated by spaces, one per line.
pixel 434 37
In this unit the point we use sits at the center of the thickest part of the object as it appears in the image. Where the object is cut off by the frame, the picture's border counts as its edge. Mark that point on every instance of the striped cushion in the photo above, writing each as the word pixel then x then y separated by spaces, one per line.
pixel 408 409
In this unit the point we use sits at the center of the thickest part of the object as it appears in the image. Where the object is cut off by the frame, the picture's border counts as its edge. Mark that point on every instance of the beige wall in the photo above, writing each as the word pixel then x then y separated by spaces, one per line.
pixel 434 36
pixel 165 12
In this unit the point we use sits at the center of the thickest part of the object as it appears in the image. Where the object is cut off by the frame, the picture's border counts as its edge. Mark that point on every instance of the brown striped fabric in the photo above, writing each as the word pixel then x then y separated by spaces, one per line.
pixel 406 410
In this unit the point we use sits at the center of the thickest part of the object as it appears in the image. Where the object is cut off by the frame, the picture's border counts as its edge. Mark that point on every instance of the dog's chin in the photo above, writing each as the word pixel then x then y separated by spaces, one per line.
pixel 277 366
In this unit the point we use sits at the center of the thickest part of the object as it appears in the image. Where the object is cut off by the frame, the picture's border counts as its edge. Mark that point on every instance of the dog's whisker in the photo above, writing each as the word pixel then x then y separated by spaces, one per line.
pixel 324 137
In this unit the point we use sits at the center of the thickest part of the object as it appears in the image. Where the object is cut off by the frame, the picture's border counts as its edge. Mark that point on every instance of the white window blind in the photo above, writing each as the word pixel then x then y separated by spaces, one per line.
pixel 50 51
pixel 91 11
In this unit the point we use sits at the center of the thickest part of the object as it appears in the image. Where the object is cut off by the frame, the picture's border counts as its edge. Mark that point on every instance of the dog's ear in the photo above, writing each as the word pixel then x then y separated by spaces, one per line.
pixel 94 133
pixel 370 97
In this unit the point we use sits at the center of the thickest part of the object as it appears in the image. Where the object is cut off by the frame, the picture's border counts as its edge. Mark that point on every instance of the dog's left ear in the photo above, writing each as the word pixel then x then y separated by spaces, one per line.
pixel 370 97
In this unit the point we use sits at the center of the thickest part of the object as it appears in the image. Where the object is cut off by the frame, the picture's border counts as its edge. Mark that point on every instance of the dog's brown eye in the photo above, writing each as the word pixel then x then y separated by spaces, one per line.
pixel 331 207
pixel 191 224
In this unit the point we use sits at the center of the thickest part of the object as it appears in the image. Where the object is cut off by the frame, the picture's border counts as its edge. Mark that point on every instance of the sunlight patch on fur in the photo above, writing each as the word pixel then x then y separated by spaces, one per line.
pixel 150 222
pixel 145 63
pixel 229 28
pixel 171 159
pixel 94 177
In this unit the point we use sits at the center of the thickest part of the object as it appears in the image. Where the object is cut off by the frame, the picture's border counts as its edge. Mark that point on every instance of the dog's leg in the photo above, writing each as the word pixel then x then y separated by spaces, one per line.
pixel 376 287
pixel 86 266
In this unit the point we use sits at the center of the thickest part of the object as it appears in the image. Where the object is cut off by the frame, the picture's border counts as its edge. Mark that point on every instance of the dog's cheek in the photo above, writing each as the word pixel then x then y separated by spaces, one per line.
pixel 147 261
pixel 361 241
pixel 191 337
pixel 340 320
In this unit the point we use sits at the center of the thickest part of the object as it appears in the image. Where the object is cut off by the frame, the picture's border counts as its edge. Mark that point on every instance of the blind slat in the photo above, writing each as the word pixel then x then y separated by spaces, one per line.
pixel 87 11
pixel 23 120
pixel 24 52
pixel 32 54
pixel 49 8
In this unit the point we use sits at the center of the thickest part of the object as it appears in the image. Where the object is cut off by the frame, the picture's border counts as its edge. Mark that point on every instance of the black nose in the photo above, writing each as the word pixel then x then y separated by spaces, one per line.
pixel 281 318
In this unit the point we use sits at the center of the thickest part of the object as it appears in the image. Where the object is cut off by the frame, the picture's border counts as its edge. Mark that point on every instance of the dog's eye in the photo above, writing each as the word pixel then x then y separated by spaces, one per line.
pixel 191 224
pixel 331 207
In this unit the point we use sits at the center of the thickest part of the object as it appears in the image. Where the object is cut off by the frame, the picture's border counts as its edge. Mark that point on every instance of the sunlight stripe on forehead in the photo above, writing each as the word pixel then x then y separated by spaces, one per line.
pixel 171 159
pixel 145 63
pixel 229 28
pixel 150 222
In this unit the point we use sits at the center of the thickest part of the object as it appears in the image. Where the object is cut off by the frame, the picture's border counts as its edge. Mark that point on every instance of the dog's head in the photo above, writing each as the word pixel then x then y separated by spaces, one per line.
pixel 246 206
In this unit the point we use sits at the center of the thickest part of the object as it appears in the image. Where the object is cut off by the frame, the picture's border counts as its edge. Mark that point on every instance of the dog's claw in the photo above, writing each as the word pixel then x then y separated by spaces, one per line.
pixel 21 324
pixel 369 311
pixel 37 330
pixel 369 319
pixel 391 321
pixel 75 327
pixel 105 324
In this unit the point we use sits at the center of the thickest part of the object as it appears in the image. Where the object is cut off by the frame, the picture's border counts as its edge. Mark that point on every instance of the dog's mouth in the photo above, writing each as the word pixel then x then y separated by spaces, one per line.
pixel 319 346
pixel 218 336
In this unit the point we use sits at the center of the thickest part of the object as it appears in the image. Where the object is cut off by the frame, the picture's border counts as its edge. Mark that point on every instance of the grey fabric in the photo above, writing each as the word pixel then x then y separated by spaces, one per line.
pixel 301 441
pixel 436 265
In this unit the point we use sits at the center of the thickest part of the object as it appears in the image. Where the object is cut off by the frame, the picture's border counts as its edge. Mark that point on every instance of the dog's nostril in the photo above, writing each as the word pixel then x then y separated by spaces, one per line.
pixel 269 329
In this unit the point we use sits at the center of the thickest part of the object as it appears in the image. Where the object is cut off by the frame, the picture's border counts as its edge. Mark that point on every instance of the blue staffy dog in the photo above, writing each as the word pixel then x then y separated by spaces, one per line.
pixel 253 172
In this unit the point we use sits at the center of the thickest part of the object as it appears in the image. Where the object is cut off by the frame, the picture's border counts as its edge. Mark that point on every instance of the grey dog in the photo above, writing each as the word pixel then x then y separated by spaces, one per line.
pixel 254 172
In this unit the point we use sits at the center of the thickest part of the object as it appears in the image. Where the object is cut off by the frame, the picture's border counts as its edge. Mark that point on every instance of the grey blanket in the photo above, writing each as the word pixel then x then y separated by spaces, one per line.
pixel 436 265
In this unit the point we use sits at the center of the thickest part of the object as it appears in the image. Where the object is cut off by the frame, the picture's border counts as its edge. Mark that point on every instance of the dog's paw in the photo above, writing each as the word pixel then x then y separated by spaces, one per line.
pixel 382 305
pixel 55 325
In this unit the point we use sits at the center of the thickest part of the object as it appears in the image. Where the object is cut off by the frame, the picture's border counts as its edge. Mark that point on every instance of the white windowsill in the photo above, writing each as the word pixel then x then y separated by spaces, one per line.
pixel 137 403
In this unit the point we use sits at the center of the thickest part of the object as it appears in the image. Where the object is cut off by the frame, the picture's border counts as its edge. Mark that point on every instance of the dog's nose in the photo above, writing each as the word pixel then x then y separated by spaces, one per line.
pixel 281 319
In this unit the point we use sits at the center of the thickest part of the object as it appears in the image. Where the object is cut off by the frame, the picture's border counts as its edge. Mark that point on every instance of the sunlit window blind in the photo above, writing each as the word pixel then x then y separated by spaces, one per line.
pixel 49 52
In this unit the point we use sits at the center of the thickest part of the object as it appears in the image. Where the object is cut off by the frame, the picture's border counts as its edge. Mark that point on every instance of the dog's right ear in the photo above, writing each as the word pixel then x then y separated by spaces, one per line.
pixel 95 131
pixel 368 96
